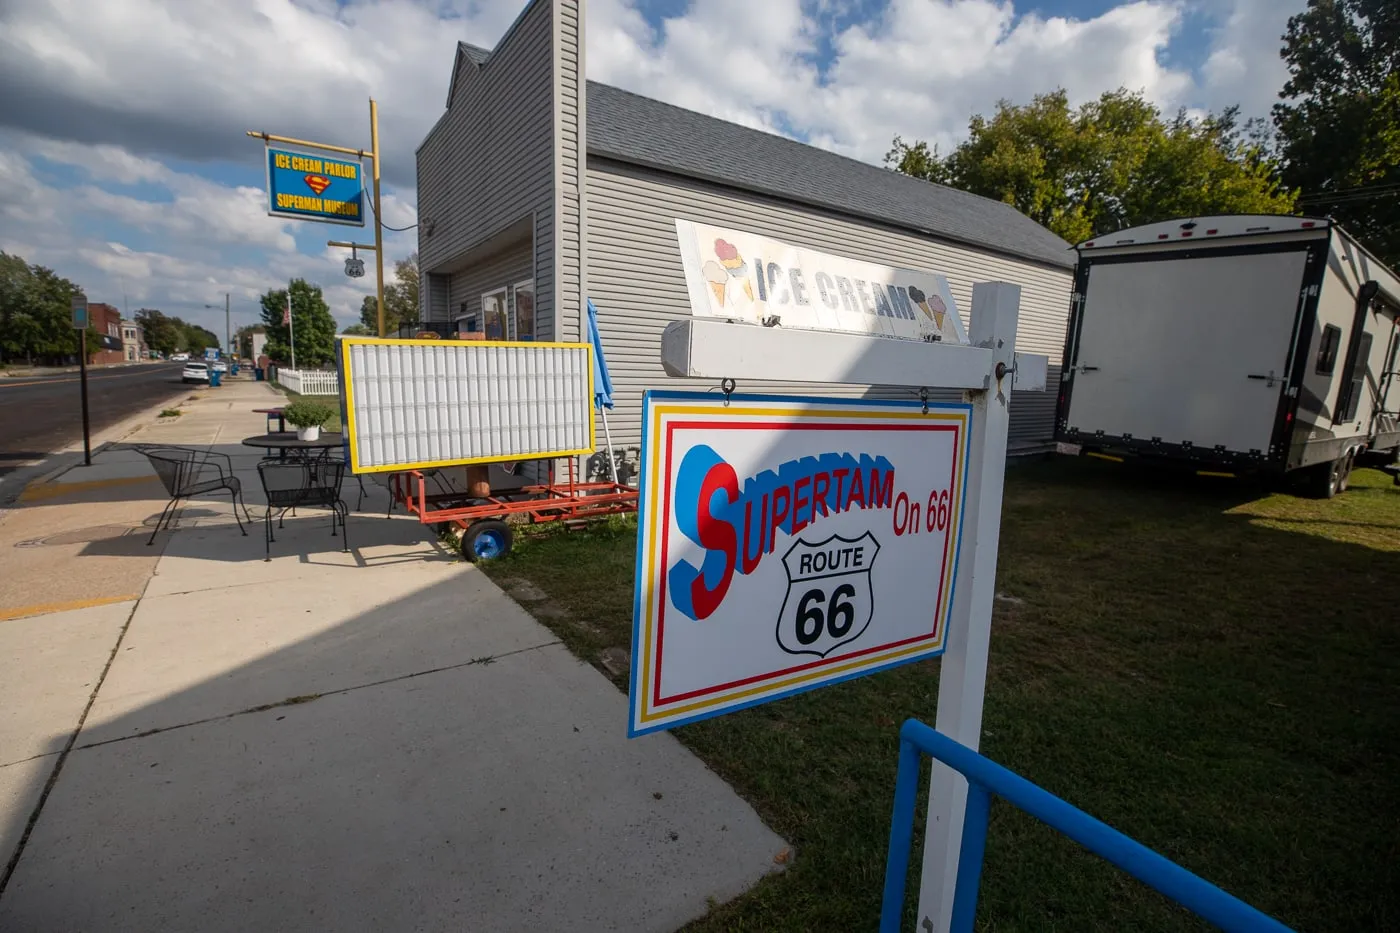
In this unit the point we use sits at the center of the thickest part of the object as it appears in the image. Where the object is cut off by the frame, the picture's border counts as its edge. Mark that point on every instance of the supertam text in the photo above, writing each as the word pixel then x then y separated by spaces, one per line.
pixel 737 524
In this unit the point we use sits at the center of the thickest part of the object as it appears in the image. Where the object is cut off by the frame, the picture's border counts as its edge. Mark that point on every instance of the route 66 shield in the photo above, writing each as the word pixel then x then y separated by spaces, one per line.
pixel 829 601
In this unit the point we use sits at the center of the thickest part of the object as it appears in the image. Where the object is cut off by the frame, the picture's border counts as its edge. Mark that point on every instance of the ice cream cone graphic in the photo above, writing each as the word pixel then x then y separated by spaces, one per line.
pixel 931 305
pixel 721 275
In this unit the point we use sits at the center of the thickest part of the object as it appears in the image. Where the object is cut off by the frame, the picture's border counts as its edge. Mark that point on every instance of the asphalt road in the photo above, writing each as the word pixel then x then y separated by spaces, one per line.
pixel 43 414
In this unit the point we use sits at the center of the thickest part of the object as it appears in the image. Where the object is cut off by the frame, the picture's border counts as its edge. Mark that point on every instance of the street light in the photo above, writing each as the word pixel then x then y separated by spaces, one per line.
pixel 228 332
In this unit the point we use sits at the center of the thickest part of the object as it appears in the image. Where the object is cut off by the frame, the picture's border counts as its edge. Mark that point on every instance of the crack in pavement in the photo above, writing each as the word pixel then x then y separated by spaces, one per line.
pixel 312 697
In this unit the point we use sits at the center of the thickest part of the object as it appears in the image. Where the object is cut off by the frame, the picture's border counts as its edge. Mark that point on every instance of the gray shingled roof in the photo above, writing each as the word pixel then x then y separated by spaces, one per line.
pixel 642 131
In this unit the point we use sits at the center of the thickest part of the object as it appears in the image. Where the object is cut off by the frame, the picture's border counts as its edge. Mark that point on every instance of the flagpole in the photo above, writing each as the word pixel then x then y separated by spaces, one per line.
pixel 291 330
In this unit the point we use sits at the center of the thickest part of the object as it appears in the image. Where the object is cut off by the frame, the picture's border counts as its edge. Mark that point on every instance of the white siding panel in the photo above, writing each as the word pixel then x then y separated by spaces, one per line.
pixel 569 144
pixel 489 162
pixel 635 279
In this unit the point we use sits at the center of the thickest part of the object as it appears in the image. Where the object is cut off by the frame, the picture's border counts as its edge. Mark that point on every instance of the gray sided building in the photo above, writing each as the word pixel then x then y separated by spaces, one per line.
pixel 538 189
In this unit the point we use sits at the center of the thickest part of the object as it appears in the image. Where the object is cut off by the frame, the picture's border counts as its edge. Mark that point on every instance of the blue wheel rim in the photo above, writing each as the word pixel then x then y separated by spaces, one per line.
pixel 489 544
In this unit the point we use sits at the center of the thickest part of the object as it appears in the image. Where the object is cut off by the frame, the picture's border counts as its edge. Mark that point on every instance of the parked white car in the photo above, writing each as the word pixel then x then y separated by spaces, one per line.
pixel 219 366
pixel 179 358
pixel 195 371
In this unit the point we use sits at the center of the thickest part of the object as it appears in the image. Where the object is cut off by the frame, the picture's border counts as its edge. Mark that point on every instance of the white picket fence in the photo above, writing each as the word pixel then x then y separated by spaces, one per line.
pixel 309 381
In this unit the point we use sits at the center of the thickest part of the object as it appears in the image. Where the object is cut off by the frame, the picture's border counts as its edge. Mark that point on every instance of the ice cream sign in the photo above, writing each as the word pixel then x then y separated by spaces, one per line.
pixel 787 543
pixel 746 277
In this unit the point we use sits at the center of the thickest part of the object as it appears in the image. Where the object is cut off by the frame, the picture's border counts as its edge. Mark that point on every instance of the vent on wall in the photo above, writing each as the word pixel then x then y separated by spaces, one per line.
pixel 413 404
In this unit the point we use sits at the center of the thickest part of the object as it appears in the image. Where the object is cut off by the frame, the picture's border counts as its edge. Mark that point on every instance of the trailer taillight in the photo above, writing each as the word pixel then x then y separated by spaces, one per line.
pixel 1186 233
pixel 1211 232
pixel 1161 236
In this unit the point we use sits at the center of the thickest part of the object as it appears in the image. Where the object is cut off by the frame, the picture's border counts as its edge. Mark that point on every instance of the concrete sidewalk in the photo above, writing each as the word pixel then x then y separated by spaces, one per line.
pixel 363 740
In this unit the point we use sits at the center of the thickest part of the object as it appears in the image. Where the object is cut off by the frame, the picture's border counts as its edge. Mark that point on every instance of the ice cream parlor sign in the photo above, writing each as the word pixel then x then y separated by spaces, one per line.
pixel 746 277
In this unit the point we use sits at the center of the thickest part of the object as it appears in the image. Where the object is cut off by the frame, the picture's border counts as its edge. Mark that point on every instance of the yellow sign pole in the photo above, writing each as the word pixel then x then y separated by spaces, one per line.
pixel 378 217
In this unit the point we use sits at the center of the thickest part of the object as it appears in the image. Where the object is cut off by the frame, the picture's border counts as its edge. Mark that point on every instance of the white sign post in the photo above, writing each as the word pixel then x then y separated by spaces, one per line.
pixel 695 676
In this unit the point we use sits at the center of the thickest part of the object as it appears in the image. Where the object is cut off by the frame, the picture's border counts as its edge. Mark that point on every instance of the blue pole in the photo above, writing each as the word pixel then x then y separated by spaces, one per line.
pixel 1190 891
pixel 906 786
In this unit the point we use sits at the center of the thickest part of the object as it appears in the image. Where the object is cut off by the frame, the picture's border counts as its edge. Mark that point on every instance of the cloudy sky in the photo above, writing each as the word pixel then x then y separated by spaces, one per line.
pixel 124 164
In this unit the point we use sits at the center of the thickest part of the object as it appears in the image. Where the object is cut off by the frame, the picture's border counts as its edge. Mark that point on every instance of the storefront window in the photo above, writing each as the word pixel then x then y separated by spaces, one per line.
pixel 525 310
pixel 493 314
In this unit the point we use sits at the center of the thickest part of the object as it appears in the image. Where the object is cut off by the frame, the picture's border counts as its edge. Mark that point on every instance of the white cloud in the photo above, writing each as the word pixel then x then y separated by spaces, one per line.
pixel 1244 66
pixel 119 90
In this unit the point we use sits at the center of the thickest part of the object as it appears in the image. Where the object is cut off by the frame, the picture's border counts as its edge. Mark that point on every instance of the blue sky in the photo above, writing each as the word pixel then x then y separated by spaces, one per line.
pixel 124 165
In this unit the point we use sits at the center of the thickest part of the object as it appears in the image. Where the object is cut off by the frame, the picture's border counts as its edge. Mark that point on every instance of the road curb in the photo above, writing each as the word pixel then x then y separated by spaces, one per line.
pixel 12 487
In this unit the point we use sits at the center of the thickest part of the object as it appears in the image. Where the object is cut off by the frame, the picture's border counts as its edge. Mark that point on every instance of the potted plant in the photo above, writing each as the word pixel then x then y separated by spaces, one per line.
pixel 307 418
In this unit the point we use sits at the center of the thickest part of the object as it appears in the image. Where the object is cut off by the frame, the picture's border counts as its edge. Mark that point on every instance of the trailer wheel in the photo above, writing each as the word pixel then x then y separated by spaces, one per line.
pixel 1327 480
pixel 487 539
pixel 1347 466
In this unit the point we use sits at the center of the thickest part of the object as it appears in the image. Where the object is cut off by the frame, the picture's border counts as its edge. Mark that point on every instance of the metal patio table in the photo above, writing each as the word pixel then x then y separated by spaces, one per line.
pixel 287 444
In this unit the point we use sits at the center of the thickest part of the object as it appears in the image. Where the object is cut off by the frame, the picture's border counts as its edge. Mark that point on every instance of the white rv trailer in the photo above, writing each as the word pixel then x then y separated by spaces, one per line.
pixel 1238 343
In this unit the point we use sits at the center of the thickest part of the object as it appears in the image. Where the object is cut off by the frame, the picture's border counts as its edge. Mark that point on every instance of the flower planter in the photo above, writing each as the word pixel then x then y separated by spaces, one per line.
pixel 312 433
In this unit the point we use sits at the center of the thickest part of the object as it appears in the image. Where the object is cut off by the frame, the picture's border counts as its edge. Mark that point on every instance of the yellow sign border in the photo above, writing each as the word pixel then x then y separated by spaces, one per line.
pixel 349 417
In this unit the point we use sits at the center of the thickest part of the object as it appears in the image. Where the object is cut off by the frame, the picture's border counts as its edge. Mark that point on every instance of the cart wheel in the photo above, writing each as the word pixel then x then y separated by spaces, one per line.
pixel 487 540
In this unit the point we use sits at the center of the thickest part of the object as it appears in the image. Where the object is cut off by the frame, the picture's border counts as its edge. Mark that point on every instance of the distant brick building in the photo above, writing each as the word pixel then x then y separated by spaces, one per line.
pixel 107 321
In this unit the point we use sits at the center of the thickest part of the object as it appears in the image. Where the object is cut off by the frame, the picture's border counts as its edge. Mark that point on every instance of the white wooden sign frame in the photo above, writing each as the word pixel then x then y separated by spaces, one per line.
pixel 984 371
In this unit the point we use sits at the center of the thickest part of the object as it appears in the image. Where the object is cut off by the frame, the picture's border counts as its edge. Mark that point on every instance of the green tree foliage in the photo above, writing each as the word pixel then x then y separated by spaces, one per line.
pixel 1112 163
pixel 312 325
pixel 400 300
pixel 167 335
pixel 359 330
pixel 197 339
pixel 161 333
pixel 1339 124
pixel 36 314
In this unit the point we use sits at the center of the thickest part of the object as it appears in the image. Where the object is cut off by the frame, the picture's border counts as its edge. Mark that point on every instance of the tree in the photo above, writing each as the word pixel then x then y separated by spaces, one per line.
pixel 400 300
pixel 162 334
pixel 1339 124
pixel 312 325
pixel 359 330
pixel 195 338
pixel 1112 163
pixel 36 313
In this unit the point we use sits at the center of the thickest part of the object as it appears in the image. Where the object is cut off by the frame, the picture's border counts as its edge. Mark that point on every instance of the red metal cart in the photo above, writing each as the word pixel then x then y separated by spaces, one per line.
pixel 486 529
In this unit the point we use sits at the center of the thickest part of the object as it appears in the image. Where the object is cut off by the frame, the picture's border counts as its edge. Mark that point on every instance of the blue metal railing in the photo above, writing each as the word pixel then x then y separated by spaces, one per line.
pixel 985 778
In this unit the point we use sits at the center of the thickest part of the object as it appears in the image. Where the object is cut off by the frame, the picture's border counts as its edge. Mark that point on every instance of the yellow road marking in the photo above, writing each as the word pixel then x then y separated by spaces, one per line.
pixel 39 609
pixel 37 491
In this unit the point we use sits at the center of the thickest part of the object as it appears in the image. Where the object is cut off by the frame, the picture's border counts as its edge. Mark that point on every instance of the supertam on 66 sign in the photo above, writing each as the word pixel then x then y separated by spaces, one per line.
pixel 786 543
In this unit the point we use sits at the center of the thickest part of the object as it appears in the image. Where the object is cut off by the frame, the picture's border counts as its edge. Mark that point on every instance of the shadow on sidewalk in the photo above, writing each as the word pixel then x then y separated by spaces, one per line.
pixel 371 746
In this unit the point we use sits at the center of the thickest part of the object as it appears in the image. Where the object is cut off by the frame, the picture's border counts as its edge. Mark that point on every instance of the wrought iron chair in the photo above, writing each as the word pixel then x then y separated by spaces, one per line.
pixel 292 483
pixel 186 472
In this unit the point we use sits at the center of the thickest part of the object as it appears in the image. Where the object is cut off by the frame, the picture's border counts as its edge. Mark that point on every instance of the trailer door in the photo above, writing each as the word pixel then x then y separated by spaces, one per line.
pixel 1187 350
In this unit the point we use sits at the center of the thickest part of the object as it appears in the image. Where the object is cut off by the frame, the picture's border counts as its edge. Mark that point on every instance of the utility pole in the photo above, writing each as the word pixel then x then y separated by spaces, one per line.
pixel 378 220
pixel 228 328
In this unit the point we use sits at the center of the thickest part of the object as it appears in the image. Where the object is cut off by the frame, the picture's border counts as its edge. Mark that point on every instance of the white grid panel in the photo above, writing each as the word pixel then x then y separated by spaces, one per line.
pixel 457 402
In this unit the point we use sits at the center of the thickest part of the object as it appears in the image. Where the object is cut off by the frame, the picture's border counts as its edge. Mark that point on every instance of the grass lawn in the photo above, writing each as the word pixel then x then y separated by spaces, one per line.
pixel 1212 669
pixel 328 400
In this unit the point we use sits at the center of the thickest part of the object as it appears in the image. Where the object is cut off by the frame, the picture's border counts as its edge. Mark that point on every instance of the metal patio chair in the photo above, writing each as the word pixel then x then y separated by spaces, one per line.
pixel 289 484
pixel 186 472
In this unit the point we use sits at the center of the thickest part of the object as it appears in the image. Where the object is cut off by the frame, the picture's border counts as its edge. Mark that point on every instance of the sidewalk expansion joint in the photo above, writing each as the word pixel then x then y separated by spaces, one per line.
pixel 312 697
